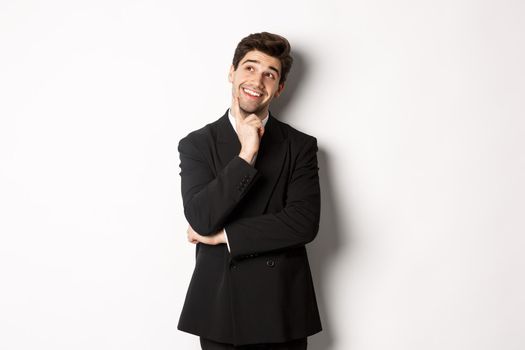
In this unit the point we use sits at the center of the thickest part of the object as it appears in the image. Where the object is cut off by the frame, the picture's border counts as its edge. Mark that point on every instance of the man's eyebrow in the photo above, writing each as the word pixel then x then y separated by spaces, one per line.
pixel 258 62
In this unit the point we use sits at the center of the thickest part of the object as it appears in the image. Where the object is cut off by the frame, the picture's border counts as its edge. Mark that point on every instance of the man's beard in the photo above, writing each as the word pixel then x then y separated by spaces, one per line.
pixel 258 109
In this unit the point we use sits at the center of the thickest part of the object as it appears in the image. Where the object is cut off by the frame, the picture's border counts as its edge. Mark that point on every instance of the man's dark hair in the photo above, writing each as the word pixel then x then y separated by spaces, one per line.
pixel 271 44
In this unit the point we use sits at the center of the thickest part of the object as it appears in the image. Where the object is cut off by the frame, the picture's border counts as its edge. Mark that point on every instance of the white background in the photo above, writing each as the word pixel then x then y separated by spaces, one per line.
pixel 418 111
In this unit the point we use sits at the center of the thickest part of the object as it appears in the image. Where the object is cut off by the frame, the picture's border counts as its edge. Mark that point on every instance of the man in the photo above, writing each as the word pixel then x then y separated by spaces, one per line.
pixel 250 191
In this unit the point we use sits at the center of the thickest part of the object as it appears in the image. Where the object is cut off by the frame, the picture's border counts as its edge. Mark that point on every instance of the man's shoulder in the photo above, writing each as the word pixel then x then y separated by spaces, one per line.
pixel 294 134
pixel 204 133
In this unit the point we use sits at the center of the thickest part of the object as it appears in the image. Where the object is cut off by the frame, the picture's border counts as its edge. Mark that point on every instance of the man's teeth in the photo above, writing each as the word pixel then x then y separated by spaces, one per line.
pixel 253 93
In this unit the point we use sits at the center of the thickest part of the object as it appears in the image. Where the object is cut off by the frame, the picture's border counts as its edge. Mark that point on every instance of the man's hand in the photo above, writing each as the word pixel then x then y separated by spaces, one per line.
pixel 249 130
pixel 194 237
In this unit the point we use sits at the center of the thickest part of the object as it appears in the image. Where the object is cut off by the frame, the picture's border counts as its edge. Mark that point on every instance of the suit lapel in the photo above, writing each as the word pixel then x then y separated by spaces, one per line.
pixel 269 163
pixel 228 144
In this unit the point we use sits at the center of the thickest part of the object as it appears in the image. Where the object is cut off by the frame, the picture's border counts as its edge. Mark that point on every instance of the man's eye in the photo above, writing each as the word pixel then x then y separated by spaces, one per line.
pixel 270 75
pixel 250 68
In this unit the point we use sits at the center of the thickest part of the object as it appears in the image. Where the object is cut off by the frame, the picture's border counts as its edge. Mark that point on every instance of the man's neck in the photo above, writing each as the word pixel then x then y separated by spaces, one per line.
pixel 232 119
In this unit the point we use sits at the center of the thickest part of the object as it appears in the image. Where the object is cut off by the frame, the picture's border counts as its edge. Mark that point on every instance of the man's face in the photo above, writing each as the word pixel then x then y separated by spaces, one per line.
pixel 256 82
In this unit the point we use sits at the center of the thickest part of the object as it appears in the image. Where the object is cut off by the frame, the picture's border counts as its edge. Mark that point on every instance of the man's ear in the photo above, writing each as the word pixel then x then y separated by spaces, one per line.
pixel 230 74
pixel 279 90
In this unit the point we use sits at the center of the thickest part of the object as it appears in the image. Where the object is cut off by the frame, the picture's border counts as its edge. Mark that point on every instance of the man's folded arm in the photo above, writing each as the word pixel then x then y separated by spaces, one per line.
pixel 208 198
pixel 295 225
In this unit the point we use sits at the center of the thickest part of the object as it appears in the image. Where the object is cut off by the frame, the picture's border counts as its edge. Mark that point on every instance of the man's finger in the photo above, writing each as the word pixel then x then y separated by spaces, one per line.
pixel 251 118
pixel 236 109
pixel 253 122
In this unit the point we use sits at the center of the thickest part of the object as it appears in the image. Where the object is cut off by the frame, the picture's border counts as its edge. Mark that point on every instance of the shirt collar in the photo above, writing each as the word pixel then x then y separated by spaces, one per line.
pixel 232 120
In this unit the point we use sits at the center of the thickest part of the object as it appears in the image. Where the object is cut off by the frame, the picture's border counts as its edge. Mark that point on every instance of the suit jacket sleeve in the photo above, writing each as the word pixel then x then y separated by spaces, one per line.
pixel 295 225
pixel 208 198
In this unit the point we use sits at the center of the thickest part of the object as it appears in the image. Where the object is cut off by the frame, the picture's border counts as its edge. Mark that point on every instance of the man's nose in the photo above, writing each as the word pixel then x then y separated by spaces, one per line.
pixel 258 81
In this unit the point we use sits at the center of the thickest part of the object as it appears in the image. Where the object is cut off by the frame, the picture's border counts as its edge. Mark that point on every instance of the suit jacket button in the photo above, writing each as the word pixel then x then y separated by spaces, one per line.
pixel 270 263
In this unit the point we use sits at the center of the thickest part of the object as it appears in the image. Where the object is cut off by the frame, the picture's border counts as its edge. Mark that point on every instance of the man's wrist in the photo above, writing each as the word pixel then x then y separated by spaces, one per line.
pixel 247 156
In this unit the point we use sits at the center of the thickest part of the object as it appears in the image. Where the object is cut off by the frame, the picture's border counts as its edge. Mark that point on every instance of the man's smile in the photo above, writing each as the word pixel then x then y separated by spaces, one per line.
pixel 251 93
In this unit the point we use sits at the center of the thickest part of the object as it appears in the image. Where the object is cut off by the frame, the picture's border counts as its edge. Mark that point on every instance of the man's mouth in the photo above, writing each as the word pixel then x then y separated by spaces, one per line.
pixel 252 93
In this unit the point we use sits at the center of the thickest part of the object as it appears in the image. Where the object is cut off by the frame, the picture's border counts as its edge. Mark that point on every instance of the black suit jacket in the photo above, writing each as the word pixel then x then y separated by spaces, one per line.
pixel 261 291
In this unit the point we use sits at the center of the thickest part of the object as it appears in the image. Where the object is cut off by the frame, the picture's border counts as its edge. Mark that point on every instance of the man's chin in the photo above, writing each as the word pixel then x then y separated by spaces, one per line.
pixel 251 110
